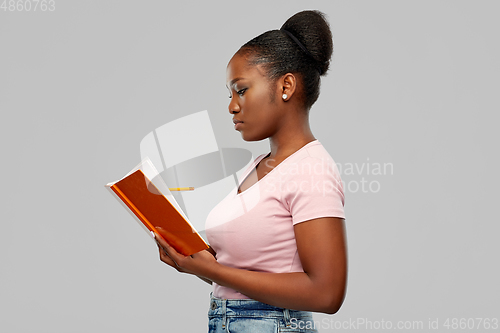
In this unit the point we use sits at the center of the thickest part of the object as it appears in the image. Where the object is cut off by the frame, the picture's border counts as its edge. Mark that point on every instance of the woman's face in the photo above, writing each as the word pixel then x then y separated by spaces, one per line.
pixel 254 100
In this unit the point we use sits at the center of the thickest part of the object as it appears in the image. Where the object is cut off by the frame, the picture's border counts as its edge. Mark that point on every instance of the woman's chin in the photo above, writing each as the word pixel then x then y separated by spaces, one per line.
pixel 246 137
pixel 252 138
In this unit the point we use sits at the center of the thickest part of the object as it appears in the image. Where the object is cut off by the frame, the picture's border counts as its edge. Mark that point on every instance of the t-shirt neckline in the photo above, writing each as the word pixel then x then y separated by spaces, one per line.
pixel 260 158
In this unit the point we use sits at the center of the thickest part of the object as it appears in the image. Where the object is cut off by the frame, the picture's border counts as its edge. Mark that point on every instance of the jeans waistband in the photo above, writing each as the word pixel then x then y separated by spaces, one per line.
pixel 250 307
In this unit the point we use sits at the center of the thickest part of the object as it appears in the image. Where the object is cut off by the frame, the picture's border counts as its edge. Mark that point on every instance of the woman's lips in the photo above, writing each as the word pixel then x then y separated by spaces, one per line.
pixel 237 123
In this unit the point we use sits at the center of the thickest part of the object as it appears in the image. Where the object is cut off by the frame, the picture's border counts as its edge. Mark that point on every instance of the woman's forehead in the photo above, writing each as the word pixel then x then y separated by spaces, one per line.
pixel 238 63
pixel 240 67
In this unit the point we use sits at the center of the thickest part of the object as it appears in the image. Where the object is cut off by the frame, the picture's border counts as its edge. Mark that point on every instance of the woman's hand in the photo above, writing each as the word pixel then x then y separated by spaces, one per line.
pixel 200 263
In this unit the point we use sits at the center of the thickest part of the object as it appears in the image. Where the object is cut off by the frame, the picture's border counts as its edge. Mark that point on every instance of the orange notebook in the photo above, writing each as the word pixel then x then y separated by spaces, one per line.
pixel 155 210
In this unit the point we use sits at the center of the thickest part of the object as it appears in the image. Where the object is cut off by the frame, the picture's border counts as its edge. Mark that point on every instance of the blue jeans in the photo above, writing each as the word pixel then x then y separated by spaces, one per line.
pixel 248 315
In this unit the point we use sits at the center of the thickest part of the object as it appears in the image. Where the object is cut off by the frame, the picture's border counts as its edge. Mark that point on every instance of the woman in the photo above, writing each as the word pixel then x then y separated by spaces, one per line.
pixel 278 248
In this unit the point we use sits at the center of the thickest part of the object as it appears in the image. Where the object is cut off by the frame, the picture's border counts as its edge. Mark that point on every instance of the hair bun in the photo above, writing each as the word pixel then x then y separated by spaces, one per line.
pixel 312 30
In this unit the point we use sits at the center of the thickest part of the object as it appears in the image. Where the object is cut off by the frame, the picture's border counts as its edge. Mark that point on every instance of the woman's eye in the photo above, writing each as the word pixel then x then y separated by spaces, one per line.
pixel 239 92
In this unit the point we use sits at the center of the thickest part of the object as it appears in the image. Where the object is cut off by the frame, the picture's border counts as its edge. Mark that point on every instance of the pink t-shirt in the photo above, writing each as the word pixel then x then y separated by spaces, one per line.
pixel 253 230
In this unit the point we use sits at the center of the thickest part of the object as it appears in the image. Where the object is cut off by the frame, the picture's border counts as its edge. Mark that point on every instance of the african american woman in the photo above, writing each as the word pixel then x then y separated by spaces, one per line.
pixel 277 242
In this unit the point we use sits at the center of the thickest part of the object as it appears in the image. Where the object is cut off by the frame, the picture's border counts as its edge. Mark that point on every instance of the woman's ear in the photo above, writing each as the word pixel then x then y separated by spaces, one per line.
pixel 289 85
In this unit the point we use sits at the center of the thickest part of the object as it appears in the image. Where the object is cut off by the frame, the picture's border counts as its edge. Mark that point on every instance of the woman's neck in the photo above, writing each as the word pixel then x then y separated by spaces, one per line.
pixel 290 138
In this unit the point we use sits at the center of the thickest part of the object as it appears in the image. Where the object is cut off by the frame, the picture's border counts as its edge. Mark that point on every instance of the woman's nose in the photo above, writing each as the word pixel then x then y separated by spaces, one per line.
pixel 233 107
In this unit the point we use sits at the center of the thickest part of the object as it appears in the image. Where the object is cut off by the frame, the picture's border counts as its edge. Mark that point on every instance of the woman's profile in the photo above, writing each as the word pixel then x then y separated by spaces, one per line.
pixel 277 242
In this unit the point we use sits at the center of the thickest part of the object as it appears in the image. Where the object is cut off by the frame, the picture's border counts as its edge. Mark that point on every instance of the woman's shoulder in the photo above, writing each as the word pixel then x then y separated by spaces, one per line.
pixel 314 155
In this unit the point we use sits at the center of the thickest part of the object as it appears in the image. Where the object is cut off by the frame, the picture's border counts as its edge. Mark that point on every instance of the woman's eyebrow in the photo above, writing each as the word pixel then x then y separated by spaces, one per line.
pixel 233 81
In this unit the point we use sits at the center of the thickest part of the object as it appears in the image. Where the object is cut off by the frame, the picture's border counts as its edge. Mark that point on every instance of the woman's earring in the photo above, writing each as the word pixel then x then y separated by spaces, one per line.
pixel 285 96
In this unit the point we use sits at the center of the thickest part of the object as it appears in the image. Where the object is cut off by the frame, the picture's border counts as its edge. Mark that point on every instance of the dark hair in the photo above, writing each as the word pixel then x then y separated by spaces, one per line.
pixel 280 54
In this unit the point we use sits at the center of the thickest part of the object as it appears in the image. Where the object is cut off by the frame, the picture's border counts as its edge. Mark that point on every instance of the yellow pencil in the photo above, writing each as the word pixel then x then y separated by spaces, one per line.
pixel 181 188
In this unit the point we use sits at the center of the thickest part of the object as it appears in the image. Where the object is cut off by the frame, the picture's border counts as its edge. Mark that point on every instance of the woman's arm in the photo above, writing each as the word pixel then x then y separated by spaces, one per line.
pixel 321 287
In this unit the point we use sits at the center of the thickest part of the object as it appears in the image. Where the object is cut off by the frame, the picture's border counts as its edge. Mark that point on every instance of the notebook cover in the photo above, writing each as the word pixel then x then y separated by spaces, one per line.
pixel 157 213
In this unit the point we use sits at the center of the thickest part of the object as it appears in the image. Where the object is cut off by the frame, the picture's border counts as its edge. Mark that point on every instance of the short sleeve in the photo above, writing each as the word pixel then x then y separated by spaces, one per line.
pixel 312 188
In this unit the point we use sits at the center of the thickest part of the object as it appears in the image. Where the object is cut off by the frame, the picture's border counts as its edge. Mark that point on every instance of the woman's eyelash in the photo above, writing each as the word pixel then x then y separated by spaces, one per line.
pixel 239 92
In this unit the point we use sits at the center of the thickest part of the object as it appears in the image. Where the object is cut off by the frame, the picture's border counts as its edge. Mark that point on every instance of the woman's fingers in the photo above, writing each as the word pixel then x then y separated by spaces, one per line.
pixel 197 264
pixel 165 257
pixel 163 253
pixel 168 249
pixel 167 253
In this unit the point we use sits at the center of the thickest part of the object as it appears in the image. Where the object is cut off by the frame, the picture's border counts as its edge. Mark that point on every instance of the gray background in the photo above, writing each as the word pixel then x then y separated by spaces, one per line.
pixel 412 83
